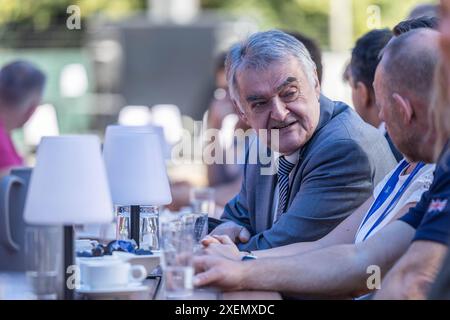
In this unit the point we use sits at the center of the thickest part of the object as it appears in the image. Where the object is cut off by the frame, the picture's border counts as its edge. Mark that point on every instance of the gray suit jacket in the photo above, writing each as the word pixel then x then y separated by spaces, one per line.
pixel 336 173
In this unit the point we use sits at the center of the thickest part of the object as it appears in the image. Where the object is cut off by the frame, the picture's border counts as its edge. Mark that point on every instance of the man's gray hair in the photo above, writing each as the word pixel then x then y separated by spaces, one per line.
pixel 20 83
pixel 260 50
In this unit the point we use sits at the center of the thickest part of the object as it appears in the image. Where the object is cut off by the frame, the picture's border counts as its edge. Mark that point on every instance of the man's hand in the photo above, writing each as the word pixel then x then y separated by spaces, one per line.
pixel 215 271
pixel 222 246
pixel 237 233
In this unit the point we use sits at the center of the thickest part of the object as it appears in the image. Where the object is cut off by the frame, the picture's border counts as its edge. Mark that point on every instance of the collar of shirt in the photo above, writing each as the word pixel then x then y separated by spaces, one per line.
pixel 382 128
pixel 292 158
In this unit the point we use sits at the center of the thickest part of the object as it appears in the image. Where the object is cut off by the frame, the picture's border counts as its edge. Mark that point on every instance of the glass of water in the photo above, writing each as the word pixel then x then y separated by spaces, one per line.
pixel 178 250
pixel 43 247
pixel 148 226
pixel 203 201
pixel 199 224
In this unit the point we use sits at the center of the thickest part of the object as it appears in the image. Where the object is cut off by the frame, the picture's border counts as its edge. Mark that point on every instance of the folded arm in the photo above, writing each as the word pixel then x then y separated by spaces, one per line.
pixel 334 271
pixel 344 233
pixel 414 273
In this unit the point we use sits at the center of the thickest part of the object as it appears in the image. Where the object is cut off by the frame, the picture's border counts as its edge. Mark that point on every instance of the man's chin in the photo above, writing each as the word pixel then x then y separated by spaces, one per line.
pixel 289 149
pixel 288 144
pixel 427 157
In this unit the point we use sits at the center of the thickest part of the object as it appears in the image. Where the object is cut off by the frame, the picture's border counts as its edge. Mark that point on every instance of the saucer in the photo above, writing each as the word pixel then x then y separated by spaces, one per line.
pixel 112 292
pixel 150 262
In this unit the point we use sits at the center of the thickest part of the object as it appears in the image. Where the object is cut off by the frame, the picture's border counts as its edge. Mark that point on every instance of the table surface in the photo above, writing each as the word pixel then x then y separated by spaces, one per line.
pixel 14 286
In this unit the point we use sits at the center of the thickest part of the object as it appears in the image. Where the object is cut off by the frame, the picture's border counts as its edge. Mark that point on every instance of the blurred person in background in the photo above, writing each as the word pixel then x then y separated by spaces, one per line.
pixel 21 89
pixel 424 10
pixel 361 70
pixel 361 73
pixel 225 178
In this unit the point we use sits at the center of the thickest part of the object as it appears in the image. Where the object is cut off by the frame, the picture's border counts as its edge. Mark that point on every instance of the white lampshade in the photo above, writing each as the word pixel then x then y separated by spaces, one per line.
pixel 69 183
pixel 159 131
pixel 135 166
pixel 134 116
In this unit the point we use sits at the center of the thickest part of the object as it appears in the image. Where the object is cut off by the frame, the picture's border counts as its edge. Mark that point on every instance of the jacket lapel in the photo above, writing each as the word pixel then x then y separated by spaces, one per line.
pixel 326 114
pixel 264 202
pixel 264 197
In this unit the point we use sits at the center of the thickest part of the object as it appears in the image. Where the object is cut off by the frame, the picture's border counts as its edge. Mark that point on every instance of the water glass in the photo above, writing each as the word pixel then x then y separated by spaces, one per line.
pixel 43 248
pixel 199 224
pixel 148 226
pixel 178 250
pixel 203 201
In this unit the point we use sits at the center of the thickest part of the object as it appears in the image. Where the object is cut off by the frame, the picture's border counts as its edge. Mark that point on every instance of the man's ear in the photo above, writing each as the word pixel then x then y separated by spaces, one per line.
pixel 317 87
pixel 362 92
pixel 404 107
pixel 241 114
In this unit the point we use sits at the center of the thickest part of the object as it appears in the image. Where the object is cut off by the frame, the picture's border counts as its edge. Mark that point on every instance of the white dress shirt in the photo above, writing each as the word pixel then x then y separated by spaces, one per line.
pixel 293 158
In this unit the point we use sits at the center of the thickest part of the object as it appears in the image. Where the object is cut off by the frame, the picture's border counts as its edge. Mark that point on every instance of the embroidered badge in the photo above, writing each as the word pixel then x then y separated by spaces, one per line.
pixel 437 205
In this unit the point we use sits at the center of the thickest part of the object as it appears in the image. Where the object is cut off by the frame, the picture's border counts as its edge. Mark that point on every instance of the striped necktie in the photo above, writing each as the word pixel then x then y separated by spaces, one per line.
pixel 284 169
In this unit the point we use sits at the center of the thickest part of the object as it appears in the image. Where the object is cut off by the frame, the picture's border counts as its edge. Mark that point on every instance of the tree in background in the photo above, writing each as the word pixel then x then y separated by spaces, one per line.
pixel 22 21
pixel 311 16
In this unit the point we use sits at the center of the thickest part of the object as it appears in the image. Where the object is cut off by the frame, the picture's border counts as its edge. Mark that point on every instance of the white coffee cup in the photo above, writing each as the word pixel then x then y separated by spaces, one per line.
pixel 108 274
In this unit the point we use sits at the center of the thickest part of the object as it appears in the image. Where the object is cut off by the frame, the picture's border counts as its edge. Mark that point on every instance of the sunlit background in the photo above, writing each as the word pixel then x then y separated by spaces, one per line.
pixel 153 61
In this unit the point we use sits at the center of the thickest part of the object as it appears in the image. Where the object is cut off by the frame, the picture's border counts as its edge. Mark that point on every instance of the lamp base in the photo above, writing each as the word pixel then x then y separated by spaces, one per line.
pixel 68 261
pixel 135 217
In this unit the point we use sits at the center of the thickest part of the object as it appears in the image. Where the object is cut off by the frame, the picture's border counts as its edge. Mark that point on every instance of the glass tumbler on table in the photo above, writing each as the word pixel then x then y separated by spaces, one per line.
pixel 43 247
pixel 178 250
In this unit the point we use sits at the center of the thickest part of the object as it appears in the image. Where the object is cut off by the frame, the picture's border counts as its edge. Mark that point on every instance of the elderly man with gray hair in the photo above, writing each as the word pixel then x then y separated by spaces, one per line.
pixel 21 87
pixel 327 159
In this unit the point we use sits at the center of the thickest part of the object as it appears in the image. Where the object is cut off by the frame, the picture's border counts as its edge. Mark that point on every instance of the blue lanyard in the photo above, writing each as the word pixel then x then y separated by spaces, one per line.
pixel 387 190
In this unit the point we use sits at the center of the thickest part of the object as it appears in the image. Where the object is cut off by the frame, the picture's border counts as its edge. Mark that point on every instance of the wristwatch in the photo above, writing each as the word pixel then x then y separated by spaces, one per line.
pixel 249 256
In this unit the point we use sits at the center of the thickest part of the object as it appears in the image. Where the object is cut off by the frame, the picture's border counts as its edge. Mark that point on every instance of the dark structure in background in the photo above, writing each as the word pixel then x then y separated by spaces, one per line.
pixel 138 62
pixel 168 64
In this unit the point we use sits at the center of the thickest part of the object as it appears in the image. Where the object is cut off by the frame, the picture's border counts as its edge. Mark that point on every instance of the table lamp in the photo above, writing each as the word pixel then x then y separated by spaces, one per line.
pixel 68 187
pixel 136 171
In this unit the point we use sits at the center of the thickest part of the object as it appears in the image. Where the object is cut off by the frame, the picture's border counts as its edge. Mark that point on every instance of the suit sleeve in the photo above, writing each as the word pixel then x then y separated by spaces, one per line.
pixel 236 209
pixel 335 182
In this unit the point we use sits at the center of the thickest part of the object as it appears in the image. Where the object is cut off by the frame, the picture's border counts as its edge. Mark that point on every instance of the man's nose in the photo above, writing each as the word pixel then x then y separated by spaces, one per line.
pixel 279 110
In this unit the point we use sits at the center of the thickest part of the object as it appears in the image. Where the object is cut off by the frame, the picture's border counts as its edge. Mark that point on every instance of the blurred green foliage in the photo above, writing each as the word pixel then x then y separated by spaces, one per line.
pixel 392 12
pixel 311 16
pixel 308 16
pixel 42 23
pixel 41 14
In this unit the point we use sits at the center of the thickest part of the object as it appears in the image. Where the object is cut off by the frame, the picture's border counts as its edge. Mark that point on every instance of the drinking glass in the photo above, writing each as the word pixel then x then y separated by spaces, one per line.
pixel 43 248
pixel 148 226
pixel 203 201
pixel 199 224
pixel 178 250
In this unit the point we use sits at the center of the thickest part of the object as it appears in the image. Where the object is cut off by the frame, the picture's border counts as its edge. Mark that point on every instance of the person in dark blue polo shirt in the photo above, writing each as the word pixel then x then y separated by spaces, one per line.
pixel 431 216
pixel 421 264
pixel 416 271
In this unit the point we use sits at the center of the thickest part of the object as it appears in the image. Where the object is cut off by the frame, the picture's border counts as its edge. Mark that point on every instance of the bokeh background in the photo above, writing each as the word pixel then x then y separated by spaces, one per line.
pixel 153 52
